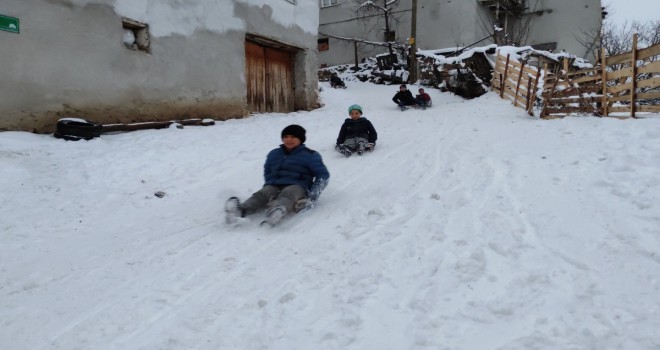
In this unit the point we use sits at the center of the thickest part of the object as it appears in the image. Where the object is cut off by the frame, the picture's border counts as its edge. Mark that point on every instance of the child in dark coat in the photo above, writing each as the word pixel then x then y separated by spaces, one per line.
pixel 357 134
pixel 336 81
pixel 404 98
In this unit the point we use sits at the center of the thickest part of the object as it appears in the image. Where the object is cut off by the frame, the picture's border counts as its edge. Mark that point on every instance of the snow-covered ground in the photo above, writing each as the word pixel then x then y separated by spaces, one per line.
pixel 472 226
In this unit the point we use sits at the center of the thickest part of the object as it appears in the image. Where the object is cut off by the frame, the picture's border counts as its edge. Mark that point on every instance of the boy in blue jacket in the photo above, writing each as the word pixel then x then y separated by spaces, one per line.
pixel 357 134
pixel 292 173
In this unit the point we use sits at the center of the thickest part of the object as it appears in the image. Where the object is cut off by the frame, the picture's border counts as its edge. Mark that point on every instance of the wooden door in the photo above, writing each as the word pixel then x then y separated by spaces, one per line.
pixel 269 82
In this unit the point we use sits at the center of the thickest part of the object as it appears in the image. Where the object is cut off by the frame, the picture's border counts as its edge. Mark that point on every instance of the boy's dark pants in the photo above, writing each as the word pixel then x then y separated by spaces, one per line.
pixel 271 196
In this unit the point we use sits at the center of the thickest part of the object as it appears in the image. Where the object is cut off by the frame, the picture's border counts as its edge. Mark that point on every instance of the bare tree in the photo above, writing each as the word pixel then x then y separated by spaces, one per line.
pixel 648 32
pixel 617 38
pixel 508 15
pixel 512 20
pixel 370 8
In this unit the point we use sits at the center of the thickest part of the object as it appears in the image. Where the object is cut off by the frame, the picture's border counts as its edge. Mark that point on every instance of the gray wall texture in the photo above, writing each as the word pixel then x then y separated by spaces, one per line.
pixel 69 61
pixel 457 23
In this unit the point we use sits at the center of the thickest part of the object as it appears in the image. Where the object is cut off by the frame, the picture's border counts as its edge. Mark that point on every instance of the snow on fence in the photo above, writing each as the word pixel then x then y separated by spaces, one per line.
pixel 633 85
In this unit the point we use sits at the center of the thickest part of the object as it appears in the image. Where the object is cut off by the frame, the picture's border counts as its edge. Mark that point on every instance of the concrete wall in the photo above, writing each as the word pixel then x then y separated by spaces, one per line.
pixel 69 60
pixel 451 23
pixel 440 24
pixel 567 22
pixel 447 24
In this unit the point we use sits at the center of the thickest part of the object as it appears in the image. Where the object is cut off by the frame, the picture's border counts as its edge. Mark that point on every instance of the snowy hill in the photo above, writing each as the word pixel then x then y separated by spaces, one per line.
pixel 472 226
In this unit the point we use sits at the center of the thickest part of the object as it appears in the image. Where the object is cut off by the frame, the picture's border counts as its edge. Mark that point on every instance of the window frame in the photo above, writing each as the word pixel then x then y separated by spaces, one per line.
pixel 140 33
pixel 323 44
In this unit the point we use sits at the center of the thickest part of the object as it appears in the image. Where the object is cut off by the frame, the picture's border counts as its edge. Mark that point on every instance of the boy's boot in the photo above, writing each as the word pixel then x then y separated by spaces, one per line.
pixel 275 215
pixel 361 148
pixel 232 210
pixel 343 150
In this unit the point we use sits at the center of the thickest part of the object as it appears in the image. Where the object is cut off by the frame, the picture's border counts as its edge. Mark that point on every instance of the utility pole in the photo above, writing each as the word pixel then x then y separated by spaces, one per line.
pixel 412 68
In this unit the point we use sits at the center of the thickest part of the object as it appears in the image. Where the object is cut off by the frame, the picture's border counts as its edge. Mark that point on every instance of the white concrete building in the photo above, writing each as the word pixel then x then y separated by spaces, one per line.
pixel 545 24
pixel 114 61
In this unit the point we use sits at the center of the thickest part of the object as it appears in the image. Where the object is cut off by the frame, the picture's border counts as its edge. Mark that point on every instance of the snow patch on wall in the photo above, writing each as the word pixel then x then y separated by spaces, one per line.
pixel 304 14
pixel 181 16
pixel 168 17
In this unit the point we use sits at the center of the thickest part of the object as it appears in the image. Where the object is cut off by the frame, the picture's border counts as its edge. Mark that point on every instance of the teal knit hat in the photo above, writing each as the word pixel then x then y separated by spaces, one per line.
pixel 354 107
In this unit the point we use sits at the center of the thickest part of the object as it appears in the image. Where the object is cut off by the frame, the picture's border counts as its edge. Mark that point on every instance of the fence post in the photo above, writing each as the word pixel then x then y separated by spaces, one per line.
pixel 515 96
pixel 547 99
pixel 529 96
pixel 503 82
pixel 603 64
pixel 497 63
pixel 633 65
pixel 536 87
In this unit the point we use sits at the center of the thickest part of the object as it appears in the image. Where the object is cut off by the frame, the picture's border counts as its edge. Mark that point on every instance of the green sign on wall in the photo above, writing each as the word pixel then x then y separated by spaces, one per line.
pixel 9 24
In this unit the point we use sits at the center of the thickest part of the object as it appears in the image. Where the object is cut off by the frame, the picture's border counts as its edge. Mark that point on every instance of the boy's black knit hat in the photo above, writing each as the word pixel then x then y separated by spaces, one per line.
pixel 295 131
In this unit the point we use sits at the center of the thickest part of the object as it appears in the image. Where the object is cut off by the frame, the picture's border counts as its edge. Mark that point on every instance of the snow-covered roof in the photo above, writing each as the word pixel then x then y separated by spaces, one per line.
pixel 516 52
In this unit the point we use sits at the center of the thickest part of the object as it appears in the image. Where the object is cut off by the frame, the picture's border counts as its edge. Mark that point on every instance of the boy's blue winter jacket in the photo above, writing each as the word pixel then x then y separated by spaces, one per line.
pixel 302 166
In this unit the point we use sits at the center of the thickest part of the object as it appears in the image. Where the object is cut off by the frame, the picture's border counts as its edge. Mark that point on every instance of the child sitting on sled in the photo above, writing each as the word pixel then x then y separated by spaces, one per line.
pixel 404 98
pixel 423 99
pixel 357 134
pixel 292 173
pixel 336 81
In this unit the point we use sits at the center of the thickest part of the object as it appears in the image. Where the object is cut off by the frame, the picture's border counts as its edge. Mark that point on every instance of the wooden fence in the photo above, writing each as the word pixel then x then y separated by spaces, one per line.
pixel 566 92
pixel 632 80
pixel 515 81
pixel 632 85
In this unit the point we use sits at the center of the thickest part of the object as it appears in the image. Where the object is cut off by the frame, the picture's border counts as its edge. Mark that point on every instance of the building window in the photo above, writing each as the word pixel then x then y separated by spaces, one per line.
pixel 323 44
pixel 136 35
pixel 326 3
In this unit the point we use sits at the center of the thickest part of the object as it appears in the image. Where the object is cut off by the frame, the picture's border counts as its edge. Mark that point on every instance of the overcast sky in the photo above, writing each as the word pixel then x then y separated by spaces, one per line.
pixel 630 10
